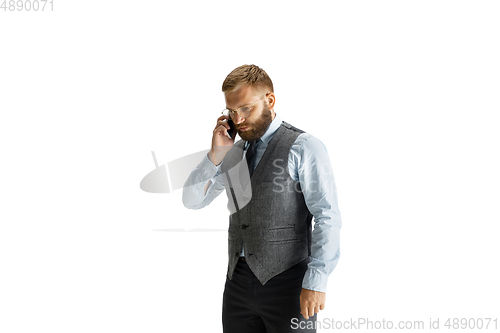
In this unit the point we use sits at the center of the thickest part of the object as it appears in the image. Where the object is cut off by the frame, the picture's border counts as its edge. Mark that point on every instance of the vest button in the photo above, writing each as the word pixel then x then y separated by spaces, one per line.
pixel 237 254
pixel 244 226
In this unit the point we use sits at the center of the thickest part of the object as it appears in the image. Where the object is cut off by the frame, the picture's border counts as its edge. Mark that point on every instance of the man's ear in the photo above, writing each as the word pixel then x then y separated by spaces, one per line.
pixel 270 100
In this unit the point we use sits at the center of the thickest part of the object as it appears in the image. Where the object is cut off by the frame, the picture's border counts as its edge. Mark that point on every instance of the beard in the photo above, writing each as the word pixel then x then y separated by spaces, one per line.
pixel 259 127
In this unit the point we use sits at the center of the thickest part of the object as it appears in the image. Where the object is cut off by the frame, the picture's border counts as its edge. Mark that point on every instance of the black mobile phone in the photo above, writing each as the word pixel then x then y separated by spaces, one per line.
pixel 231 129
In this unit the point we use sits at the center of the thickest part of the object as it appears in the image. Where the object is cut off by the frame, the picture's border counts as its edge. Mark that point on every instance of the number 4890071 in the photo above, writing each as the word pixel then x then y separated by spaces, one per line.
pixel 27 5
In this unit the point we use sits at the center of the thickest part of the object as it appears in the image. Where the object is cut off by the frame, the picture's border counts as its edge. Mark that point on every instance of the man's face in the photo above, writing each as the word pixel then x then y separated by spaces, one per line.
pixel 255 125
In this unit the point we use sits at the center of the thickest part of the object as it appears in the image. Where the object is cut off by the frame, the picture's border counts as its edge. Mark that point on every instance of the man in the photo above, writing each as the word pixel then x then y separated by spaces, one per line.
pixel 278 266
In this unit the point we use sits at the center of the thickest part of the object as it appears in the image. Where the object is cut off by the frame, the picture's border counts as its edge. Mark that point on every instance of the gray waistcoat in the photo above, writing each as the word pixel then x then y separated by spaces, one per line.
pixel 271 219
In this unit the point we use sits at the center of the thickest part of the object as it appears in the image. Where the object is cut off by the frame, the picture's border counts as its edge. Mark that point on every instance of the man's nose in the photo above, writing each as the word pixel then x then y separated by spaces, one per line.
pixel 237 118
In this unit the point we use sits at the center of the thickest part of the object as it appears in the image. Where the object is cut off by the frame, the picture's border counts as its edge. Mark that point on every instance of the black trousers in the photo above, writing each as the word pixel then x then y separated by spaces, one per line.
pixel 250 307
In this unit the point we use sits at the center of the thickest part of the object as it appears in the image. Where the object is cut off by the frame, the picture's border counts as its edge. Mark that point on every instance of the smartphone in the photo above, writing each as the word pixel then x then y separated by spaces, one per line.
pixel 231 129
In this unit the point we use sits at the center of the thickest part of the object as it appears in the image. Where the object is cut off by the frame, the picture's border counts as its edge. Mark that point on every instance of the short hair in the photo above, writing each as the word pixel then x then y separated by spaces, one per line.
pixel 250 75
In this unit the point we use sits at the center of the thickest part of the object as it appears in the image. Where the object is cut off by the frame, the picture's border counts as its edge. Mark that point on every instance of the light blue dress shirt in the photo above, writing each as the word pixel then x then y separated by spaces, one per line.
pixel 309 164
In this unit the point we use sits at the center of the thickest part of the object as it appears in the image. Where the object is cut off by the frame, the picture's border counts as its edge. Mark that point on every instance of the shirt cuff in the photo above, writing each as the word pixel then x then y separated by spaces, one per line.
pixel 209 168
pixel 207 160
pixel 315 280
pixel 205 171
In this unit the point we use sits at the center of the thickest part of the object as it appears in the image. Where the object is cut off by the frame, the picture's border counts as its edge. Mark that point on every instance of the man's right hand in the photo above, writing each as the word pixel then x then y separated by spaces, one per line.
pixel 221 143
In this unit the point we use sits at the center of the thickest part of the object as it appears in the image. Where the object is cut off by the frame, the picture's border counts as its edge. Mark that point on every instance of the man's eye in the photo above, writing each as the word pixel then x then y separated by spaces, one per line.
pixel 245 109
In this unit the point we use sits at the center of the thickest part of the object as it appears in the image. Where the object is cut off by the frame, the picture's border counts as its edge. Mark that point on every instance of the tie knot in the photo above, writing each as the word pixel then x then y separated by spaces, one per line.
pixel 253 142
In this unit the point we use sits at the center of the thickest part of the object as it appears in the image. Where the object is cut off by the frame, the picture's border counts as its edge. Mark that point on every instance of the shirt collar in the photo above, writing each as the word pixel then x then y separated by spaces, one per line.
pixel 273 127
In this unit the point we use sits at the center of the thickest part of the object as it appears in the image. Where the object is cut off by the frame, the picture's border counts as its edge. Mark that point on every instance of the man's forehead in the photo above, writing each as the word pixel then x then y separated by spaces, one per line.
pixel 240 97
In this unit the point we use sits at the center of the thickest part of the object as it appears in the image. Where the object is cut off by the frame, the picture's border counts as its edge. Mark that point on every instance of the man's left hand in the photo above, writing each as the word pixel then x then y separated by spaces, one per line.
pixel 311 302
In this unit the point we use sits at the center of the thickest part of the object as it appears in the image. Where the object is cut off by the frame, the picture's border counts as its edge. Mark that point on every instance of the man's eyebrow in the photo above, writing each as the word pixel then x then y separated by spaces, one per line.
pixel 238 106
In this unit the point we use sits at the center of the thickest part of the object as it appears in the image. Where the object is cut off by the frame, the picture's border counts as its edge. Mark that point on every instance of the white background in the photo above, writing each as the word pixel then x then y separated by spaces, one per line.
pixel 404 95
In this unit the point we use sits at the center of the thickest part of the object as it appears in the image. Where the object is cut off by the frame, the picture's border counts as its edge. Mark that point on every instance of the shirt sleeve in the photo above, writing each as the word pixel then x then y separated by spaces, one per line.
pixel 317 182
pixel 193 193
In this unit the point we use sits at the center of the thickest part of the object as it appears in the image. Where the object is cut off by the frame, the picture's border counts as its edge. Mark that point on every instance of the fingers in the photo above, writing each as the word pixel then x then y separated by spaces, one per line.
pixel 221 129
pixel 221 120
pixel 305 313
pixel 221 123
pixel 309 310
pixel 220 134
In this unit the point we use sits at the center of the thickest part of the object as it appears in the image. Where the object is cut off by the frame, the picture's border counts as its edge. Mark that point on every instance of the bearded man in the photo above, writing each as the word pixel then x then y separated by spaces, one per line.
pixel 278 264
